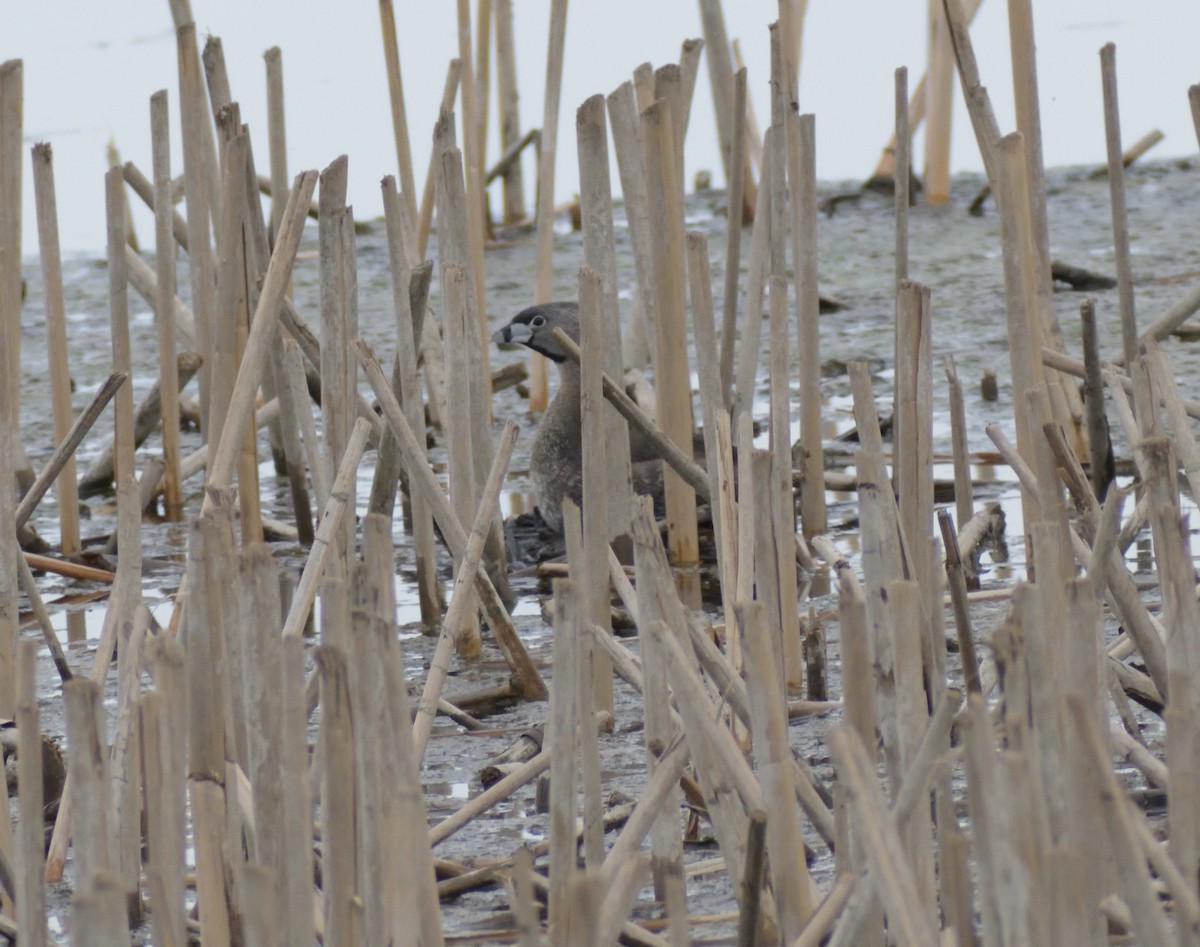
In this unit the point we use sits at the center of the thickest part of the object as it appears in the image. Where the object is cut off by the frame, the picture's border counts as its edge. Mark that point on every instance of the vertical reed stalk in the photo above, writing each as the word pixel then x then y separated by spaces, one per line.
pixel 391 57
pixel 543 291
pixel 60 371
pixel 1116 186
pixel 510 119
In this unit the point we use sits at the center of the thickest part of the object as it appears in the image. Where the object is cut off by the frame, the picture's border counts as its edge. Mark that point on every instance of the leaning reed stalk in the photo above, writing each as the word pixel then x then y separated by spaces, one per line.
pixel 527 681
pixel 324 542
pixel 462 596
pixel 220 469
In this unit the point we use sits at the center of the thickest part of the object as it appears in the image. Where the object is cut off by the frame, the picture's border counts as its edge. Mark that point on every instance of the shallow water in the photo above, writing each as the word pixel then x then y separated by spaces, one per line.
pixel 957 255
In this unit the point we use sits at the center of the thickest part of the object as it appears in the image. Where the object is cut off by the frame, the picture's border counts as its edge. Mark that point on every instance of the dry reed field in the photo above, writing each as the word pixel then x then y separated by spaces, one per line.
pixel 820 731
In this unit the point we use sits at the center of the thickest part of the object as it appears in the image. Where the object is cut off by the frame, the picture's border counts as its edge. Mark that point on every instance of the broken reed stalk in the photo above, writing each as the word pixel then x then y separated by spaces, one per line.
pixel 99 476
pixel 623 115
pixel 543 291
pixel 689 66
pixel 1116 187
pixel 276 135
pixel 38 607
pixel 602 332
pixel 673 389
pixel 428 193
pixel 67 489
pixel 339 317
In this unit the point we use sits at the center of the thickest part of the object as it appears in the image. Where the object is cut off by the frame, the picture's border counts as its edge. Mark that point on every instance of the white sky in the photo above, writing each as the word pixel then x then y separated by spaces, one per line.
pixel 89 73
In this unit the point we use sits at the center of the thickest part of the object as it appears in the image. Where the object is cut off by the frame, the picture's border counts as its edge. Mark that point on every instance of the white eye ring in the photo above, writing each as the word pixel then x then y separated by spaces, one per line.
pixel 536 322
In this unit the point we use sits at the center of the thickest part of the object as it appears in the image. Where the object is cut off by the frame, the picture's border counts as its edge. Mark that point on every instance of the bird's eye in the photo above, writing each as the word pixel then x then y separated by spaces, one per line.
pixel 537 322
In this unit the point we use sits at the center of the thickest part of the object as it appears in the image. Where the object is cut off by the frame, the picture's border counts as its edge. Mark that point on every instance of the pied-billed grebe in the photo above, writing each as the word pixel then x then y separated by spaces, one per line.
pixel 556 458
